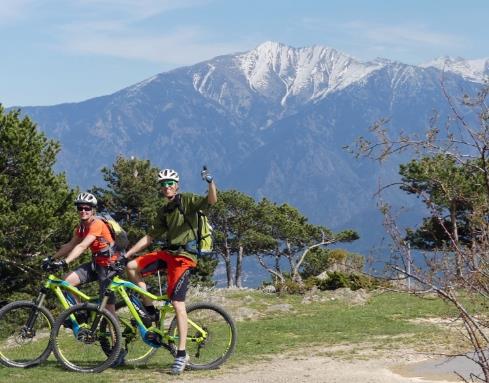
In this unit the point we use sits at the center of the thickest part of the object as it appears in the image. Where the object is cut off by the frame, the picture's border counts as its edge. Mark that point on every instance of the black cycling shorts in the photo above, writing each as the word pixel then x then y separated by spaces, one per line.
pixel 91 272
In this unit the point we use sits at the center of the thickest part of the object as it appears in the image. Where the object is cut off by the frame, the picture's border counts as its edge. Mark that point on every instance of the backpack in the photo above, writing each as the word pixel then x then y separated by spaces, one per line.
pixel 116 231
pixel 204 240
pixel 204 234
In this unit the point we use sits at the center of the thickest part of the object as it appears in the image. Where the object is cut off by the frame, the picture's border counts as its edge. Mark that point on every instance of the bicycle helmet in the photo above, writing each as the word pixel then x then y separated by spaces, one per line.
pixel 168 174
pixel 86 199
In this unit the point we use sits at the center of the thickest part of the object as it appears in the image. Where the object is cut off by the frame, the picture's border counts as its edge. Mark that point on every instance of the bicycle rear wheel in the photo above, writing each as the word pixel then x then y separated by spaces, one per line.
pixel 211 338
pixel 79 346
pixel 24 334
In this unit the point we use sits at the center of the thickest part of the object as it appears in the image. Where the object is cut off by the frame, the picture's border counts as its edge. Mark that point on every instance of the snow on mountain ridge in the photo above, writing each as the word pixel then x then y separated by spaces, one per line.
pixel 472 70
pixel 308 73
pixel 291 77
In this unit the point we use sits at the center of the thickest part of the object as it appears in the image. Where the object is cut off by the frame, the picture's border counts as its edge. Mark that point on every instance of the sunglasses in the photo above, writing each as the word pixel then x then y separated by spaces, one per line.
pixel 83 208
pixel 165 184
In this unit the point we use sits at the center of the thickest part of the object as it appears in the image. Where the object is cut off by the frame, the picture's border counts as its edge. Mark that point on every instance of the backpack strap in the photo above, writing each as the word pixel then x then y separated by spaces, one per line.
pixel 109 250
pixel 187 221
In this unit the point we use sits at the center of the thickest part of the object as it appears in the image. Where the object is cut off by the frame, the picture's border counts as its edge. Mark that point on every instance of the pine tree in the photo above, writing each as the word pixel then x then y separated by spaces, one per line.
pixel 36 204
pixel 234 222
pixel 131 194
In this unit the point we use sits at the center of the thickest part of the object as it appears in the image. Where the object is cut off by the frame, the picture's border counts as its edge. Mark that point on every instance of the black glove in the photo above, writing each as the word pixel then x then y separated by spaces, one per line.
pixel 46 263
pixel 49 265
pixel 206 176
pixel 123 260
pixel 120 265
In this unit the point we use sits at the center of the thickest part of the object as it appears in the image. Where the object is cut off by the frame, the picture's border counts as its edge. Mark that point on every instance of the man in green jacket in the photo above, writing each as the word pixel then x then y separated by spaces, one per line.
pixel 175 222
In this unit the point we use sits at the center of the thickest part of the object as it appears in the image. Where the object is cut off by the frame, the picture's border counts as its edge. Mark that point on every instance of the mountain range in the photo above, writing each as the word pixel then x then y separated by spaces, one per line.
pixel 271 122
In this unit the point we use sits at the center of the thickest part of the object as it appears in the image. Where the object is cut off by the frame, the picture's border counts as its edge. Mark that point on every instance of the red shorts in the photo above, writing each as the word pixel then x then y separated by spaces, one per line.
pixel 176 267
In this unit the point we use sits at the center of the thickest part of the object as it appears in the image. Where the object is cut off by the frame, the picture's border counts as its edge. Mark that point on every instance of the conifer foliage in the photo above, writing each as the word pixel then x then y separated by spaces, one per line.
pixel 131 194
pixel 36 204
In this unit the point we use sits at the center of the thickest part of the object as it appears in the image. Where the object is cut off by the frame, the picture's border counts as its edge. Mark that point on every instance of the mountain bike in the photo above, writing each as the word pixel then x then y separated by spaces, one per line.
pixel 95 339
pixel 25 326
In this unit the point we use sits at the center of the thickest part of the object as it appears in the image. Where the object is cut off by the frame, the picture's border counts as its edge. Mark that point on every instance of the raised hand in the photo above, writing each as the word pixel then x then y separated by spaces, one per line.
pixel 205 174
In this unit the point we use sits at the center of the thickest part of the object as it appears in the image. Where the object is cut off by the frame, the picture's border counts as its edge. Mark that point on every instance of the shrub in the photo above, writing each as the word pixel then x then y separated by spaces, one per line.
pixel 288 286
pixel 354 281
pixel 320 260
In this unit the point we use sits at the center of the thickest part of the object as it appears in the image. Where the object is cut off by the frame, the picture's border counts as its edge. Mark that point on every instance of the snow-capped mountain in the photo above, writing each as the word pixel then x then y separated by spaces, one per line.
pixel 471 70
pixel 277 71
pixel 286 77
pixel 271 122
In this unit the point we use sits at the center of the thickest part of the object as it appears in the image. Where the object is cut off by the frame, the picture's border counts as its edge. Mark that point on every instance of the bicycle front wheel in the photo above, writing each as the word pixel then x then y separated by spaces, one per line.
pixel 24 334
pixel 211 337
pixel 80 335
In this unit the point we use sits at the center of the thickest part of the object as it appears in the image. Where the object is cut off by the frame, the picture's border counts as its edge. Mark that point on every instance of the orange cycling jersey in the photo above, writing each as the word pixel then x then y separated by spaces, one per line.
pixel 103 239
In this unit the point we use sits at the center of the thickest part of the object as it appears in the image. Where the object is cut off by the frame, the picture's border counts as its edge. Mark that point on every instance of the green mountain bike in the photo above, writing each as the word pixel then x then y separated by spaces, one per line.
pixel 25 326
pixel 96 337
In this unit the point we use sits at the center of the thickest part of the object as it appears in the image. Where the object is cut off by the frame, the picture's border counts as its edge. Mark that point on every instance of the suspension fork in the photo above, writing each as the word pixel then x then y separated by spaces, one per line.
pixel 98 316
pixel 39 301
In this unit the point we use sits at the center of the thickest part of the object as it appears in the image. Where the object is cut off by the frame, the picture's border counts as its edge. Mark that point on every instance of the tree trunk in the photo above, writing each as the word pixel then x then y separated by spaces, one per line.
pixel 227 263
pixel 277 270
pixel 296 277
pixel 276 275
pixel 453 218
pixel 239 267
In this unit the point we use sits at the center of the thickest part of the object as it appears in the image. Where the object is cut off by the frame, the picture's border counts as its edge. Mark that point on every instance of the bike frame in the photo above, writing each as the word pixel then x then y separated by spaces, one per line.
pixel 119 287
pixel 56 285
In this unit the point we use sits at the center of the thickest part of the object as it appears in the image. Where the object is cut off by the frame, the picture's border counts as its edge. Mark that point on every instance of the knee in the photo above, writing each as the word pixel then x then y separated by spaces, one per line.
pixel 72 278
pixel 133 271
pixel 179 306
pixel 132 266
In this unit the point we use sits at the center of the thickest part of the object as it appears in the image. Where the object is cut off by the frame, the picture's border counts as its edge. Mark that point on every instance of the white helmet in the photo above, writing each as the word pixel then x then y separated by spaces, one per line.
pixel 168 174
pixel 86 199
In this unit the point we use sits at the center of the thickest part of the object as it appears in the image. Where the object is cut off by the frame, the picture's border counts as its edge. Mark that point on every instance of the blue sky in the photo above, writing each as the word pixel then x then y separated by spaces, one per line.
pixel 55 51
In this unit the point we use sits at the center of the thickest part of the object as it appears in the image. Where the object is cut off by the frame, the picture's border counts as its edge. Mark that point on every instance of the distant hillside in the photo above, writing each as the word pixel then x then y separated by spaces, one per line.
pixel 270 122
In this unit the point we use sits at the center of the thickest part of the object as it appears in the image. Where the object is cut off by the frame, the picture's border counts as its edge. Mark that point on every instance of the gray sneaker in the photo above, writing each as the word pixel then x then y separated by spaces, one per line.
pixel 179 365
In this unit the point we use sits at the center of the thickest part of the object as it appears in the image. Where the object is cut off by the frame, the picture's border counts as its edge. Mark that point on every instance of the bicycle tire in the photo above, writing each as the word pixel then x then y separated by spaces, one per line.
pixel 220 342
pixel 138 352
pixel 20 346
pixel 84 352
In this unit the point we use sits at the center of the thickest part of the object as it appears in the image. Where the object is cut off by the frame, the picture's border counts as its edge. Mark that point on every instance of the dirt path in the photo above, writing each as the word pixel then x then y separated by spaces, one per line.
pixel 321 369
pixel 317 370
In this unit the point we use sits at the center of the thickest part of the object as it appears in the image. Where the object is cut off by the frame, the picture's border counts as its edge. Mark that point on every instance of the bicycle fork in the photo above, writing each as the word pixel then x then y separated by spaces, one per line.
pixel 39 301
pixel 98 315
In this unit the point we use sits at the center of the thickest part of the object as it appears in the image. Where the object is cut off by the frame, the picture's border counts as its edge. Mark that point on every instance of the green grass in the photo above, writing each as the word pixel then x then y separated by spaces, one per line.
pixel 386 321
pixel 386 315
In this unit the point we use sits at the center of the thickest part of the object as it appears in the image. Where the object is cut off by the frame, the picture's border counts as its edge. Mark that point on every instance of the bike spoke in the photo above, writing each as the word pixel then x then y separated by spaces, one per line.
pixel 89 344
pixel 211 336
pixel 24 334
